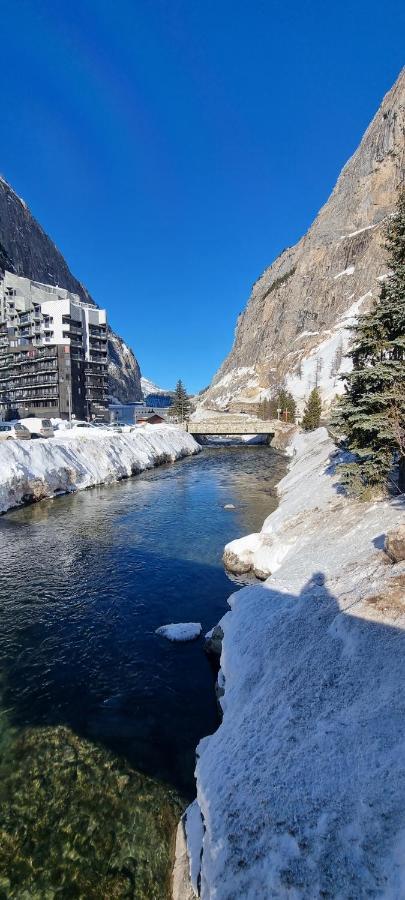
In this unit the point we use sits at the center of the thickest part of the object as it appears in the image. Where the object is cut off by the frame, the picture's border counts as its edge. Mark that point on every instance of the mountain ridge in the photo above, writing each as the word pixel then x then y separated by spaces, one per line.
pixel 314 290
pixel 27 250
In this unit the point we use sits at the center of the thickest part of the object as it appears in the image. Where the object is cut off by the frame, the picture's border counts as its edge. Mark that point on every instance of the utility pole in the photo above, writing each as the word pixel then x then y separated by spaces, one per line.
pixel 69 393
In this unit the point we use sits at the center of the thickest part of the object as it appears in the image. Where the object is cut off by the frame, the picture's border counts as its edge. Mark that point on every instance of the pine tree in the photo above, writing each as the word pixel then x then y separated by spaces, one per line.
pixel 312 412
pixel 318 370
pixel 337 360
pixel 371 414
pixel 283 401
pixel 181 403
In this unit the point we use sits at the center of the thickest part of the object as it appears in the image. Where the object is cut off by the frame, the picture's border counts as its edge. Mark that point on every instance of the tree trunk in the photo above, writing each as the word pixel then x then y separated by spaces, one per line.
pixel 401 474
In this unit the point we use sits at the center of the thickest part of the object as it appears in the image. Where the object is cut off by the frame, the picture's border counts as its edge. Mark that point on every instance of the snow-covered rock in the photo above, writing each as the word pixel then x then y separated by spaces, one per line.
pixel 238 555
pixel 180 631
pixel 81 458
pixel 213 640
pixel 302 787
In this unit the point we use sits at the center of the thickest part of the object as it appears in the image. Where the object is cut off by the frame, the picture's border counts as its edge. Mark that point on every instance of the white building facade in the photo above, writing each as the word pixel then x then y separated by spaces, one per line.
pixel 40 323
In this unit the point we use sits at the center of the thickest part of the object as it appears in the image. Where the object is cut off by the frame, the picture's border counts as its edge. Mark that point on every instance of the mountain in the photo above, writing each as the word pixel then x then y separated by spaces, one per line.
pixel 149 387
pixel 295 325
pixel 26 250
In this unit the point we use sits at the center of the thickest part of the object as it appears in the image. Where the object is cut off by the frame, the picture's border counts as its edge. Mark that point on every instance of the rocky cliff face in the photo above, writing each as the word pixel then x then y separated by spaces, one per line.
pixel 26 250
pixel 294 328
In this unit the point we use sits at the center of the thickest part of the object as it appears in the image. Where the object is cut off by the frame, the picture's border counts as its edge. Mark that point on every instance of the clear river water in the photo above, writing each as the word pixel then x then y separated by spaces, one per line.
pixel 99 716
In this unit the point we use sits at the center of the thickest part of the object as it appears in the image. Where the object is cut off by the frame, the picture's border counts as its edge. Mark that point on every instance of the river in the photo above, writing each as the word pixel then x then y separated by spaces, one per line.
pixel 100 716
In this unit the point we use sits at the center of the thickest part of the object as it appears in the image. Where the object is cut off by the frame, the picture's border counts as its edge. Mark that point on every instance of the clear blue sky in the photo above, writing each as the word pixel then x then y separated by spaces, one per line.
pixel 172 148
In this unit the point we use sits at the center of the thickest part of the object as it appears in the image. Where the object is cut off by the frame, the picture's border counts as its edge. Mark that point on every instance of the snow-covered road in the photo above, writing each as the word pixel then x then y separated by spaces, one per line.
pixel 34 470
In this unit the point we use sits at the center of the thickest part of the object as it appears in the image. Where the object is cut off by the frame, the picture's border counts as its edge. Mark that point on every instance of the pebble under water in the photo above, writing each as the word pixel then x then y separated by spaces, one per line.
pixel 99 716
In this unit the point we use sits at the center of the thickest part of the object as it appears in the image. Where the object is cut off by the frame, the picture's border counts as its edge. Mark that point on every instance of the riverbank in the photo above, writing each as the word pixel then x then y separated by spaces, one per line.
pixel 42 469
pixel 301 790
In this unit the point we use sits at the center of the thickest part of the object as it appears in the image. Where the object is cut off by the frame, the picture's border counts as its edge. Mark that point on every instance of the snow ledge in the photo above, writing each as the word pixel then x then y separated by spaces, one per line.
pixel 301 790
pixel 41 469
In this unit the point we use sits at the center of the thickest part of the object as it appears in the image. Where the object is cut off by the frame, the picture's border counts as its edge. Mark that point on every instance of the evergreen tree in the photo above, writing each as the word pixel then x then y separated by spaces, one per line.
pixel 181 403
pixel 312 412
pixel 371 414
pixel 337 360
pixel 283 401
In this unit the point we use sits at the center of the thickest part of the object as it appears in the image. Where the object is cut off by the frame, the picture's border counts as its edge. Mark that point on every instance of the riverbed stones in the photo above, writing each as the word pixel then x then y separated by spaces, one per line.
pixel 77 821
pixel 395 544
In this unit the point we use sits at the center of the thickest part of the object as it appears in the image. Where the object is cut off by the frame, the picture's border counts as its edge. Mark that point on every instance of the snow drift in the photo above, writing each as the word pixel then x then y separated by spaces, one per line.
pixel 34 470
pixel 301 791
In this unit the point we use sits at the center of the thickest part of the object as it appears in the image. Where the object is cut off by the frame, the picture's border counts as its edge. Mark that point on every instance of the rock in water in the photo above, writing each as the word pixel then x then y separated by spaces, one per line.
pixel 180 631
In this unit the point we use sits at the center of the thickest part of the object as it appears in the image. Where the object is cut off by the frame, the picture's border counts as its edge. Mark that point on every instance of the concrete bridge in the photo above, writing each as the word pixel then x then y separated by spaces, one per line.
pixel 238 425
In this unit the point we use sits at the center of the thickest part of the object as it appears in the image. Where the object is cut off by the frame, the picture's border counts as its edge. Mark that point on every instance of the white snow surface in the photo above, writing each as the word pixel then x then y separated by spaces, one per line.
pixel 180 631
pixel 348 271
pixel 318 366
pixel 81 458
pixel 302 787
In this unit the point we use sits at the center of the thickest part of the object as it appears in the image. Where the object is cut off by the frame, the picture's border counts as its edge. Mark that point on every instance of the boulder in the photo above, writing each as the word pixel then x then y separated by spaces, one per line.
pixel 213 641
pixel 395 544
pixel 238 555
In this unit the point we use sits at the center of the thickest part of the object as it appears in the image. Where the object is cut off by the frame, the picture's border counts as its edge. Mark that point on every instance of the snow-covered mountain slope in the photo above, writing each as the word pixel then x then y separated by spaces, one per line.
pixel 301 790
pixel 149 387
pixel 295 324
pixel 26 250
pixel 35 470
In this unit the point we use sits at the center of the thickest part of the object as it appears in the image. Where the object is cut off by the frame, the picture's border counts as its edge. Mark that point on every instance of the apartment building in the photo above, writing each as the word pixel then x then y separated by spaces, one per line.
pixel 53 352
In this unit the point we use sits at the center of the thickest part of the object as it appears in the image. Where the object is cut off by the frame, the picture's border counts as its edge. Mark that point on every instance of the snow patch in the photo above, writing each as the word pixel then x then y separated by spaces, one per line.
pixel 359 231
pixel 348 271
pixel 180 631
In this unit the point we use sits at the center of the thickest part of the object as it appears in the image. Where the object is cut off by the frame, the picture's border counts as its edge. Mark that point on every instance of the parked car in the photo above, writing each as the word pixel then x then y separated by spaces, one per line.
pixel 14 432
pixel 39 428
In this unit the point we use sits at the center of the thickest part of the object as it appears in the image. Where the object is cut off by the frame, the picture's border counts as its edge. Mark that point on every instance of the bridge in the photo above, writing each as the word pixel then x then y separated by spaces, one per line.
pixel 239 424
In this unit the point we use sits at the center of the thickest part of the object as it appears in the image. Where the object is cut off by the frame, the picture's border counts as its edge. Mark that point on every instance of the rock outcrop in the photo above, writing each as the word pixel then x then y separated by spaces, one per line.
pixel 294 327
pixel 395 544
pixel 26 250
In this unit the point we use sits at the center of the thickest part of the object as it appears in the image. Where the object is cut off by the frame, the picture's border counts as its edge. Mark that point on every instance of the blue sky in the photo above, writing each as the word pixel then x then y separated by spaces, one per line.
pixel 172 148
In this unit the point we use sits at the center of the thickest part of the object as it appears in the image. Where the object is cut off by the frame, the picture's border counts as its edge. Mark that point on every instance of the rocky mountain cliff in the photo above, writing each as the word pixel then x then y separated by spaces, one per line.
pixel 294 328
pixel 26 250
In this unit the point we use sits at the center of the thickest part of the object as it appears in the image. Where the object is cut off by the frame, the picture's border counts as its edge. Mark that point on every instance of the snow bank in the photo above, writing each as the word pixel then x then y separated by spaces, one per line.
pixel 73 460
pixel 302 788
pixel 180 631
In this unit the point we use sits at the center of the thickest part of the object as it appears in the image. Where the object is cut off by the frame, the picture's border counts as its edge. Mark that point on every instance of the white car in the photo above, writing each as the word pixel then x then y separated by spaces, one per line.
pixel 14 432
pixel 38 428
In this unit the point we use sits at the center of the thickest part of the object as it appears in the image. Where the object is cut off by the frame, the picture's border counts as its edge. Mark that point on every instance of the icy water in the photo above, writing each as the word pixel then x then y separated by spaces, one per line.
pixel 99 716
